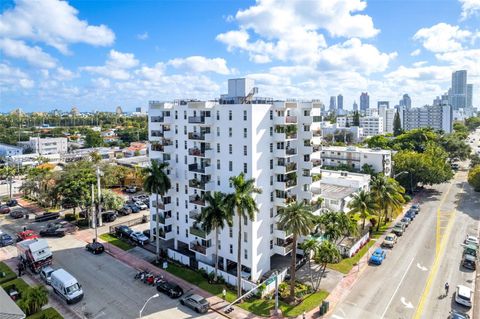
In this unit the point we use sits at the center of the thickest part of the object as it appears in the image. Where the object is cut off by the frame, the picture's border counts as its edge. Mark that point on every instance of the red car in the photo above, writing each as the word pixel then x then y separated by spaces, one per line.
pixel 27 234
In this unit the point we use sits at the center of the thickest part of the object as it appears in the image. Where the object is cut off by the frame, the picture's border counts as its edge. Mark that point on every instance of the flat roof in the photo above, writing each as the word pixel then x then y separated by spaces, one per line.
pixel 355 149
pixel 336 191
pixel 8 307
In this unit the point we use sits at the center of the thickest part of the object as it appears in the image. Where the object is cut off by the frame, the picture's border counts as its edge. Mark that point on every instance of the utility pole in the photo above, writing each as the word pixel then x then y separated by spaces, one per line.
pixel 99 198
pixel 276 293
pixel 94 215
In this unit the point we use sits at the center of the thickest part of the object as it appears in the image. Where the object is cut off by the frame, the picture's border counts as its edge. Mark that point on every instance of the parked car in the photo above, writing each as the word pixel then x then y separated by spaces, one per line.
pixel 415 208
pixel 52 232
pixel 6 240
pixel 454 166
pixel 124 211
pixel 399 229
pixel 141 205
pixel 109 217
pixel 463 296
pixel 4 209
pixel 195 302
pixel 170 289
pixel 16 214
pixel 390 240
pixel 410 214
pixel 27 234
pixel 139 197
pixel 46 274
pixel 95 248
pixel 133 208
pixel 471 240
pixel 139 238
pixel 406 220
pixel 455 314
pixel 131 189
pixel 123 231
pixel 12 203
pixel 470 250
pixel 469 262
pixel 378 256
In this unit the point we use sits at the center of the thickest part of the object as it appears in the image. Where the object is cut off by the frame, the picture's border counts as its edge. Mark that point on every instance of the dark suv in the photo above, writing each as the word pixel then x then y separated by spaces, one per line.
pixel 123 231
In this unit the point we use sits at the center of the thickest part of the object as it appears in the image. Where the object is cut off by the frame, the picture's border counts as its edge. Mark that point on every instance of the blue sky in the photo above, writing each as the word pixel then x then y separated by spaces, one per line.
pixel 100 54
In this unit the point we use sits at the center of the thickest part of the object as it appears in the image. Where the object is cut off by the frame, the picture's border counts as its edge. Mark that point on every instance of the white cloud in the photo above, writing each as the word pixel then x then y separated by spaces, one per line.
pixel 415 52
pixel 152 74
pixel 101 83
pixel 470 8
pixel 442 37
pixel 465 59
pixel 201 64
pixel 288 30
pixel 11 78
pixel 64 74
pixel 142 36
pixel 53 22
pixel 33 55
pixel 116 66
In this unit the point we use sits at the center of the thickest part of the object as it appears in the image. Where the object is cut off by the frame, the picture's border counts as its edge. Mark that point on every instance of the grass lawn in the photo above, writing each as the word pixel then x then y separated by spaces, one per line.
pixel 347 264
pixel 9 274
pixel 20 286
pixel 383 228
pixel 116 241
pixel 259 307
pixel 48 313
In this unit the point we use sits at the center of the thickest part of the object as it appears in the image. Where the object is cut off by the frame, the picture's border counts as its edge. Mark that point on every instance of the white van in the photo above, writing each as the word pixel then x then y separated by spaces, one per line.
pixel 66 286
pixel 463 296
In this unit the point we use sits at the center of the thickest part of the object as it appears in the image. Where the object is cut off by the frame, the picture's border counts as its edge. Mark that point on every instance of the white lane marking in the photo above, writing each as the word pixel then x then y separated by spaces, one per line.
pixel 337 317
pixel 398 286
pixel 407 305
pixel 422 268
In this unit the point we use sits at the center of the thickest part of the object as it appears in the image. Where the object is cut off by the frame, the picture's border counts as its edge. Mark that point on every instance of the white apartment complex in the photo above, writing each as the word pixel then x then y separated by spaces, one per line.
pixel 356 157
pixel 10 150
pixel 207 142
pixel 438 117
pixel 372 125
pixel 49 145
pixel 388 116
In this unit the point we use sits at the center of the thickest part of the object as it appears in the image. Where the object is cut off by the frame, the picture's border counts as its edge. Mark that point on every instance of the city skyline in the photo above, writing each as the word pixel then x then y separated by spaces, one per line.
pixel 95 62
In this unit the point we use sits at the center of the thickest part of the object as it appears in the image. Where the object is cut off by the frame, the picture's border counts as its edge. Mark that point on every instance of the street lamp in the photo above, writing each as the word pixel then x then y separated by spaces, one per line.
pixel 145 304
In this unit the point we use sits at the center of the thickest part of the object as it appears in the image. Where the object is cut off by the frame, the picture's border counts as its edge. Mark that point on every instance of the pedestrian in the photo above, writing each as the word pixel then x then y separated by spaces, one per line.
pixel 224 294
pixel 304 316
pixel 20 268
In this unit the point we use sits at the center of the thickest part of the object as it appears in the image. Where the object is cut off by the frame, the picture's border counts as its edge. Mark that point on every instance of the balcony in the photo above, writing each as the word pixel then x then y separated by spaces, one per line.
pixel 169 134
pixel 196 200
pixel 199 168
pixel 166 235
pixel 284 168
pixel 285 152
pixel 281 234
pixel 197 231
pixel 282 120
pixel 206 152
pixel 193 214
pixel 281 136
pixel 202 136
pixel 199 184
pixel 196 246
pixel 163 218
pixel 284 200
pixel 285 185
pixel 157 119
pixel 283 249
pixel 199 120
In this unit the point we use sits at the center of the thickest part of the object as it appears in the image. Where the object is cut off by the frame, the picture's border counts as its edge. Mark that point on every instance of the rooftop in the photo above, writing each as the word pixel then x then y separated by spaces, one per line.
pixel 8 308
pixel 356 149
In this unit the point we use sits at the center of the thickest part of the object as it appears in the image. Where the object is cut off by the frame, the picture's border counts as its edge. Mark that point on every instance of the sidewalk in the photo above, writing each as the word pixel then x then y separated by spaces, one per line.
pixel 217 304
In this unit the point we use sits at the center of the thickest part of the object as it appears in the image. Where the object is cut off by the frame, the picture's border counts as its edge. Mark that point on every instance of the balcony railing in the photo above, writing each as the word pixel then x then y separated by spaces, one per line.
pixel 196 119
pixel 291 151
pixel 198 247
pixel 197 200
pixel 197 184
pixel 291 183
pixel 198 152
pixel 198 136
pixel 157 119
pixel 291 119
pixel 195 231
pixel 197 168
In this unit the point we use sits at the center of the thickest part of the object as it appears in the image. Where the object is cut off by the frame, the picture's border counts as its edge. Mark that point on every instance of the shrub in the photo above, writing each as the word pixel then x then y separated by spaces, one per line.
pixel 6 274
pixel 70 217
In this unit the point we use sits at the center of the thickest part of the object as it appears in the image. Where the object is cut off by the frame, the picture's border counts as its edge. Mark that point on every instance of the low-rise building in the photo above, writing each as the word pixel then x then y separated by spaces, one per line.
pixel 356 157
pixel 438 117
pixel 45 146
pixel 353 132
pixel 10 150
pixel 136 149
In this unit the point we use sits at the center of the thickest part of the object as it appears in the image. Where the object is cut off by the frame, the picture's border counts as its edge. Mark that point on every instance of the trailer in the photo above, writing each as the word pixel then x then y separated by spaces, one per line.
pixel 35 253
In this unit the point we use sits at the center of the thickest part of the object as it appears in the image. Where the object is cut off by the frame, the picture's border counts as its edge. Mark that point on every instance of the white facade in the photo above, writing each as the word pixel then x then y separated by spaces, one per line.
pixel 207 142
pixel 439 117
pixel 10 150
pixel 335 129
pixel 355 157
pixel 371 112
pixel 371 125
pixel 388 115
pixel 45 146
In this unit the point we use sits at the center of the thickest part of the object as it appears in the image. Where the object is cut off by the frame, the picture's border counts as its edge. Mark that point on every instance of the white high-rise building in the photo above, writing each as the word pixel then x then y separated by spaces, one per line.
pixel 388 116
pixel 439 117
pixel 372 125
pixel 206 143
pixel 459 89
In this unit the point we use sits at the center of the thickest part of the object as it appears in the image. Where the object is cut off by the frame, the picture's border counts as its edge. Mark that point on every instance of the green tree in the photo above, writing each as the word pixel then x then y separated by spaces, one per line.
pixel 93 139
pixel 397 125
pixel 242 201
pixel 326 253
pixel 472 123
pixel 336 225
pixel 356 119
pixel 33 299
pixel 214 217
pixel 474 178
pixel 309 246
pixel 474 160
pixel 364 204
pixel 297 219
pixel 455 146
pixel 368 169
pixel 111 200
pixel 157 182
pixel 95 157
pixel 379 141
pixel 387 194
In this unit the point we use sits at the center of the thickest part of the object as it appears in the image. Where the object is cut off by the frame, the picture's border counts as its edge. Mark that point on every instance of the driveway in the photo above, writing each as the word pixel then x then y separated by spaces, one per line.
pixel 329 281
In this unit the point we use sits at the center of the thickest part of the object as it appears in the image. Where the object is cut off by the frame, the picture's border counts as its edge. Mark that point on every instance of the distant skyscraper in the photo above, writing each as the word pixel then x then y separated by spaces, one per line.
pixel 459 89
pixel 469 95
pixel 355 106
pixel 406 101
pixel 333 103
pixel 384 104
pixel 364 101
pixel 340 102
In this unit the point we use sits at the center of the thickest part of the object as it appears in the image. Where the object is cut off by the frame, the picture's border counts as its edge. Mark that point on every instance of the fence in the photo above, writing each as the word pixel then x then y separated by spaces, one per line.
pixel 353 249
pixel 181 258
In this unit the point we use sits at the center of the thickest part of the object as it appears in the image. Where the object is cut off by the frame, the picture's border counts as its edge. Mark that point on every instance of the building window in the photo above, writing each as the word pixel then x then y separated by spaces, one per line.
pixel 271 180
pixel 218 164
pixel 271 210
pixel 271 147
pixel 218 131
pixel 176 144
pixel 184 115
pixel 271 228
pixel 185 130
pixel 177 202
pixel 271 164
pixel 176 157
pixel 186 189
pixel 245 254
pixel 178 230
pixel 271 131
pixel 306 158
pixel 176 129
pixel 218 115
pixel 271 115
pixel 178 218
pixel 230 149
pixel 186 204
pixel 271 197
pixel 245 132
pixel 218 181
pixel 176 115
pixel 245 237
pixel 230 166
pixel 245 150
pixel 245 170
pixel 271 244
pixel 186 219
pixel 176 187
pixel 230 132
pixel 218 147
pixel 230 232
pixel 231 249
pixel 244 115
pixel 185 146
pixel 229 115
pixel 186 232
pixel 185 159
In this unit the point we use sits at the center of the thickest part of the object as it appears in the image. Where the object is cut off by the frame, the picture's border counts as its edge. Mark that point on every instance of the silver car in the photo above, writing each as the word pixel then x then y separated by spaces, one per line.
pixel 46 274
pixel 195 302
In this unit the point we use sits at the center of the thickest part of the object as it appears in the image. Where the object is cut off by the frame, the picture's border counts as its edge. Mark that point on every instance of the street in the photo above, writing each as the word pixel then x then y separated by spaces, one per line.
pixel 410 282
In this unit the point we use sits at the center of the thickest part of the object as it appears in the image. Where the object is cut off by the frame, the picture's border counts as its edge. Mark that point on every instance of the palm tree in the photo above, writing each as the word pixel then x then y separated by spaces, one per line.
pixel 309 246
pixel 242 201
pixel 336 225
pixel 34 299
pixel 157 182
pixel 297 219
pixel 326 253
pixel 214 217
pixel 364 204
pixel 387 194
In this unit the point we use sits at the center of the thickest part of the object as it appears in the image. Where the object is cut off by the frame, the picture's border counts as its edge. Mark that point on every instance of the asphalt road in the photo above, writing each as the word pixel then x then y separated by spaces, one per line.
pixel 410 282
